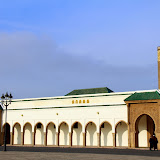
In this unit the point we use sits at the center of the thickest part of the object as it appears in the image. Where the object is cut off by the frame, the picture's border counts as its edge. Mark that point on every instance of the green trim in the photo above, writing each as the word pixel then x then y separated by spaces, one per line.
pixel 42 99
pixel 68 107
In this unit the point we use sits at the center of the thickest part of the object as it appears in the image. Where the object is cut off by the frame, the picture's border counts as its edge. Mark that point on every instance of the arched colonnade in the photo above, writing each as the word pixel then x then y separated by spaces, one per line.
pixel 64 136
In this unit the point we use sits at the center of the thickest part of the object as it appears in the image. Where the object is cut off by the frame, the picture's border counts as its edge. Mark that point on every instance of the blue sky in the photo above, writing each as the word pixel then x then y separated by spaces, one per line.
pixel 51 47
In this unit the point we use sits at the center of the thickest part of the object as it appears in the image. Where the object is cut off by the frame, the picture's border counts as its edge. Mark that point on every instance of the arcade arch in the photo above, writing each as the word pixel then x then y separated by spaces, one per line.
pixel 106 134
pixel 121 131
pixel 7 132
pixel 51 134
pixel 63 134
pixel 39 135
pixel 16 133
pixel 77 135
pixel 27 133
pixel 91 134
pixel 144 127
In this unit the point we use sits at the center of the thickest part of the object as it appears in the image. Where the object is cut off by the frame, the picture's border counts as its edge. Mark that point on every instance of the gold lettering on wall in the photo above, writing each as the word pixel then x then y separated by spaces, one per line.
pixel 80 101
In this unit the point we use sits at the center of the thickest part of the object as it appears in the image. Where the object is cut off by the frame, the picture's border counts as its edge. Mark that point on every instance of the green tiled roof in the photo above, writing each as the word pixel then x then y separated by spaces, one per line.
pixel 143 96
pixel 89 91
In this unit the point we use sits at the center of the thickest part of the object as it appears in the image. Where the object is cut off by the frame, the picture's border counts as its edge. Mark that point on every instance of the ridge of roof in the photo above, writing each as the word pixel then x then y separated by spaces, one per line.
pixel 89 91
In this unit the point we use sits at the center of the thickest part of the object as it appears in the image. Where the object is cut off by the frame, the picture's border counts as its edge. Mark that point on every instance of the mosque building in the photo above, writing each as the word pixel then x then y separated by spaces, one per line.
pixel 95 117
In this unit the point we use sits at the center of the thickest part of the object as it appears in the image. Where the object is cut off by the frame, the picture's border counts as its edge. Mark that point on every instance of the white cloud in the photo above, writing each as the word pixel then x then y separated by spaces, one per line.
pixel 34 66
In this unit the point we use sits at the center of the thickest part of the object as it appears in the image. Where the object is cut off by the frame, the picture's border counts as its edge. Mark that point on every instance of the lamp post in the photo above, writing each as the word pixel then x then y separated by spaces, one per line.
pixel 5 101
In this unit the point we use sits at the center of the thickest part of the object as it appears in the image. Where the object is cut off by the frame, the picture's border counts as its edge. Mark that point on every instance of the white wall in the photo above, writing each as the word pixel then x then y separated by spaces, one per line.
pixel 64 134
pixel 17 134
pixel 28 134
pixel 106 135
pixel 77 136
pixel 91 135
pixel 62 110
pixel 142 128
pixel 51 134
pixel 122 134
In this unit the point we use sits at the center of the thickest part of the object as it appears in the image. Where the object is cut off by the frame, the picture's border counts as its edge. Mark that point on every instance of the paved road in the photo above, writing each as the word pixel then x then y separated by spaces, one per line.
pixel 42 153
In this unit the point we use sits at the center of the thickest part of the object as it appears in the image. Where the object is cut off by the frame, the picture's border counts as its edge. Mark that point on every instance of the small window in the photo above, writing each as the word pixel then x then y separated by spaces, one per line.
pixel 102 126
pixel 80 101
pixel 87 100
pixel 76 101
pixel 75 125
pixel 39 125
pixel 73 102
pixel 83 101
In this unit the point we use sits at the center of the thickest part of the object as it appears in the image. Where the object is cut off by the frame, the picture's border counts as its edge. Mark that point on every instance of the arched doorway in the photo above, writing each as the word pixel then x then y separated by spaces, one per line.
pixel 51 134
pixel 91 134
pixel 17 134
pixel 145 127
pixel 77 135
pixel 106 134
pixel 39 135
pixel 63 134
pixel 27 131
pixel 121 134
pixel 7 133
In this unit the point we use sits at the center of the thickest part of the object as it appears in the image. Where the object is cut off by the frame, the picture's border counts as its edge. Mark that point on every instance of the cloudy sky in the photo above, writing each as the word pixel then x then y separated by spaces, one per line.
pixel 51 47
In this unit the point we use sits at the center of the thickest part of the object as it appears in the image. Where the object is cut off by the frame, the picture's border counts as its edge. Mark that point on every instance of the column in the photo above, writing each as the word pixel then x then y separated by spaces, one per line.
pixel 70 139
pixel 84 139
pixel 158 138
pixel 132 138
pixel 11 138
pixel 22 139
pixel 57 139
pixel 33 139
pixel 114 139
pixel 45 138
pixel 98 139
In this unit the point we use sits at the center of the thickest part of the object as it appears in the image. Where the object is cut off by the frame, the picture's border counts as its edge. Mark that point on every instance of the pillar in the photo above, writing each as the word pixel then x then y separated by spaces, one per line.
pixel 22 138
pixel 158 138
pixel 114 139
pixel 132 138
pixel 11 138
pixel 70 139
pixel 33 138
pixel 84 139
pixel 45 138
pixel 98 139
pixel 57 139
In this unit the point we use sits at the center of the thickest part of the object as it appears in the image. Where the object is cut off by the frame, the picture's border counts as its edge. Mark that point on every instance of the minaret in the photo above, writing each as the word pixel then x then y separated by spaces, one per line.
pixel 158 51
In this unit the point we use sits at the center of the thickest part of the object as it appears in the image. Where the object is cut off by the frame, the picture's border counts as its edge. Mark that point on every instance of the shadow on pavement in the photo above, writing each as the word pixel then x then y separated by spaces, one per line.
pixel 114 151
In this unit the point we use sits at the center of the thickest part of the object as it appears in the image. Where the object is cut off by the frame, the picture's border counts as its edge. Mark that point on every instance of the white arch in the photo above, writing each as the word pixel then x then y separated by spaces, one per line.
pixel 63 134
pixel 27 133
pixel 77 135
pixel 91 134
pixel 39 134
pixel 106 134
pixel 51 134
pixel 17 134
pixel 121 134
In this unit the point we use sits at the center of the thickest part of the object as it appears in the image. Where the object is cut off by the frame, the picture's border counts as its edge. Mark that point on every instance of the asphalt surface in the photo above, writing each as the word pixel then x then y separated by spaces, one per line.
pixel 64 153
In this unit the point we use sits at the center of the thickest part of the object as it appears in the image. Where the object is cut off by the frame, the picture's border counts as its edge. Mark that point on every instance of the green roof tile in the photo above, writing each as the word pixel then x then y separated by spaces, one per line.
pixel 143 96
pixel 89 91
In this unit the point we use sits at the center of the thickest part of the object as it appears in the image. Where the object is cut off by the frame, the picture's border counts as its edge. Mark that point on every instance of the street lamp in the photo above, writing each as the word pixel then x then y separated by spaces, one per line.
pixel 5 101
